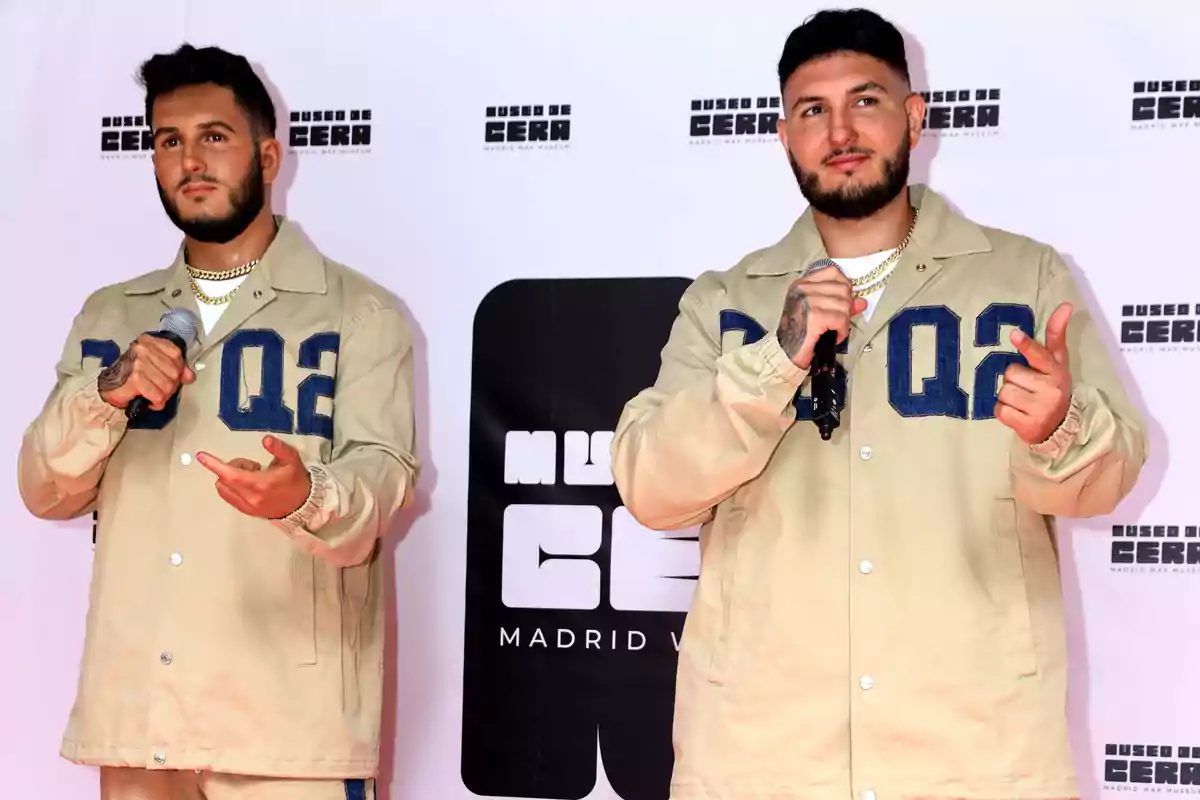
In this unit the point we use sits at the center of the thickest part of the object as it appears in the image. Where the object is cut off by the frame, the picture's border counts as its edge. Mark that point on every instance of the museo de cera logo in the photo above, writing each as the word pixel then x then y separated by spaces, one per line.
pixel 539 126
pixel 1155 550
pixel 127 136
pixel 340 131
pixel 1159 327
pixel 734 120
pixel 1158 768
pixel 961 112
pixel 1165 104
pixel 569 600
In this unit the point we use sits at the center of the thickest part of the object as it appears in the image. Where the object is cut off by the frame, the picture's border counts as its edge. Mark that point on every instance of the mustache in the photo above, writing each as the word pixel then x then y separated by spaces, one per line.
pixel 196 179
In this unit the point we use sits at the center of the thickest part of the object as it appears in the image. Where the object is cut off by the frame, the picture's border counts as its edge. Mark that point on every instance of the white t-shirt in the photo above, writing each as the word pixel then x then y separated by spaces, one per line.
pixel 209 313
pixel 863 265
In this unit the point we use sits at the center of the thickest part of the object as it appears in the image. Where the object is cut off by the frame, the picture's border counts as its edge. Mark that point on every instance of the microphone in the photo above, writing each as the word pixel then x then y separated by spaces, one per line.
pixel 828 385
pixel 827 374
pixel 178 326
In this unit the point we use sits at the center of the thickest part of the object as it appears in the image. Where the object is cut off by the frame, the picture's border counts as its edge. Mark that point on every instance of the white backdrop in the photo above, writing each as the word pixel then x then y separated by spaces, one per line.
pixel 441 217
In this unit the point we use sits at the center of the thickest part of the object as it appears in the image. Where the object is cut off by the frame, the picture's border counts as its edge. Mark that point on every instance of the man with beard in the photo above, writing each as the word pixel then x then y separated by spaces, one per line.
pixel 235 634
pixel 877 615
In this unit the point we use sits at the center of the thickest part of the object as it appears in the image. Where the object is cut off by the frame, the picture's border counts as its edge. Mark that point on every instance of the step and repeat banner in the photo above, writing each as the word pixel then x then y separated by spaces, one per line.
pixel 539 182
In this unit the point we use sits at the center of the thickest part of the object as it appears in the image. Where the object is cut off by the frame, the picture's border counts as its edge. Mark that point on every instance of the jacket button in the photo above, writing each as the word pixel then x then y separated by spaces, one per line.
pixel 866 682
pixel 159 758
pixel 865 453
pixel 165 658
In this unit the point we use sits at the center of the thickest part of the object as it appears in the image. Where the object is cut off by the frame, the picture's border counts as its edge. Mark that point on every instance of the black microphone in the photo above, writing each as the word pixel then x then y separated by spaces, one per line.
pixel 178 326
pixel 828 385
pixel 827 374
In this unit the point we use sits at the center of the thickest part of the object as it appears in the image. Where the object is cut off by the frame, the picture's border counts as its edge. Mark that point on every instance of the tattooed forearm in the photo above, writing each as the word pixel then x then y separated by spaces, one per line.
pixel 793 326
pixel 114 376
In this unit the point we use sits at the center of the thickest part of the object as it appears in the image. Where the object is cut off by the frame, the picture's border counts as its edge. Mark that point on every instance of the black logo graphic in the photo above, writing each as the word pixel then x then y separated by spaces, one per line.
pixel 125 137
pixel 573 610
pixel 1144 549
pixel 1151 766
pixel 1165 104
pixel 534 127
pixel 734 120
pixel 1159 327
pixel 962 112
pixel 328 132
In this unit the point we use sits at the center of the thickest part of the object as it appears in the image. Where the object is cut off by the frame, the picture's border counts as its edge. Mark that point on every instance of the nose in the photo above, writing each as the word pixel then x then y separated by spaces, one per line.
pixel 192 162
pixel 841 129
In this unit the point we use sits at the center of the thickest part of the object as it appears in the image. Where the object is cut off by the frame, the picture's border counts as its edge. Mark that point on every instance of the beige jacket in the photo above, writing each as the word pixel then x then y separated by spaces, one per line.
pixel 216 640
pixel 877 616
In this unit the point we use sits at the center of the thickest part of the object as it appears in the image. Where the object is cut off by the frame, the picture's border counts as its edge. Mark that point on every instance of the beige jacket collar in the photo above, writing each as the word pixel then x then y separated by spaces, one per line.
pixel 290 264
pixel 940 233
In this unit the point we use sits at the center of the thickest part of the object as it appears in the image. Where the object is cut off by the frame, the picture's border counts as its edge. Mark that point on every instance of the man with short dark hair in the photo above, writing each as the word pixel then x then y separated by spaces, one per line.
pixel 878 615
pixel 235 633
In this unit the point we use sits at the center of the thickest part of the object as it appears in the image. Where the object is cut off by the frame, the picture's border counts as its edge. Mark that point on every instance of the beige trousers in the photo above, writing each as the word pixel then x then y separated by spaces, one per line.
pixel 141 784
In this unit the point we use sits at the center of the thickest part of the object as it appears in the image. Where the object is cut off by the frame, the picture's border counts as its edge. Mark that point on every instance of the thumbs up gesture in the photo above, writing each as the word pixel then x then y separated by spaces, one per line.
pixel 1033 400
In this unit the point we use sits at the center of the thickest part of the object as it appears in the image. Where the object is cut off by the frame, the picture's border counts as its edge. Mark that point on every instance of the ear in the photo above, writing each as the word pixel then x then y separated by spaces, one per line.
pixel 914 106
pixel 781 125
pixel 270 153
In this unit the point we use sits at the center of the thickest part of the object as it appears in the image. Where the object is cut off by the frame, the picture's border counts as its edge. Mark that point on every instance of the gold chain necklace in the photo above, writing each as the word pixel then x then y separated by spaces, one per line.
pixel 206 275
pixel 878 285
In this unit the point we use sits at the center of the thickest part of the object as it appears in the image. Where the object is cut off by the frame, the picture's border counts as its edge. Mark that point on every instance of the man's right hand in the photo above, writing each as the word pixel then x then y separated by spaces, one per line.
pixel 821 301
pixel 152 368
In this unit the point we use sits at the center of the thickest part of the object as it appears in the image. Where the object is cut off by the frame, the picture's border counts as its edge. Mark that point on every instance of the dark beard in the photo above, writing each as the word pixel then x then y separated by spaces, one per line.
pixel 245 204
pixel 856 202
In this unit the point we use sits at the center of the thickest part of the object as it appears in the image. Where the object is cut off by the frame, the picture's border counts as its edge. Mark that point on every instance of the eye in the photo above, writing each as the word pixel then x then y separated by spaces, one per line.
pixel 811 110
pixel 870 101
pixel 170 141
pixel 213 136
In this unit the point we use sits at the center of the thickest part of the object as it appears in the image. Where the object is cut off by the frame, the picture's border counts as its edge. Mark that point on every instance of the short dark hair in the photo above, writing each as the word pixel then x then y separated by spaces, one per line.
pixel 192 66
pixel 854 30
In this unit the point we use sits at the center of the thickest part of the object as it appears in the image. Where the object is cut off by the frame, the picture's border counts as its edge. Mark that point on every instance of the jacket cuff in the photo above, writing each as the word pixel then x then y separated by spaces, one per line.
pixel 777 361
pixel 99 412
pixel 312 514
pixel 1066 434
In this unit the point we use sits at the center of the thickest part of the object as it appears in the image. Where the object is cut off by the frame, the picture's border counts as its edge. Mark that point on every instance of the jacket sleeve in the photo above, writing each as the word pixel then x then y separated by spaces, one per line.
pixel 66 448
pixel 1094 458
pixel 708 424
pixel 372 467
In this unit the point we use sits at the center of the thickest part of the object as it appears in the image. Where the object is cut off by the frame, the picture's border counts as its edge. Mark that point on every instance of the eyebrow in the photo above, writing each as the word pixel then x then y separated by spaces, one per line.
pixel 867 86
pixel 204 126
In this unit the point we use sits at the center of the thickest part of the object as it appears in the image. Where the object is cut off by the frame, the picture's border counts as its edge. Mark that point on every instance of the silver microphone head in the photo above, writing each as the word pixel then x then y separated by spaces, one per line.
pixel 182 322
pixel 821 264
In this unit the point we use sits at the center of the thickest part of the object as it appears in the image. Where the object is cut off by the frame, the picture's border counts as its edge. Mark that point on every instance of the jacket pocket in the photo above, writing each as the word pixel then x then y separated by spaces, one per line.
pixel 704 646
pixel 1019 642
pixel 722 638
pixel 304 568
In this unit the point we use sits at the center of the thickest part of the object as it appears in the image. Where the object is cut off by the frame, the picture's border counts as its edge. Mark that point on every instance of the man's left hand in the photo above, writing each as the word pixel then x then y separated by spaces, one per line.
pixel 1034 400
pixel 270 493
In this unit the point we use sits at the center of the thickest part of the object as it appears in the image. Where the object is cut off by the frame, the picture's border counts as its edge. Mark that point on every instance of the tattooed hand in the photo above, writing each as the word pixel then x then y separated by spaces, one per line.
pixel 818 302
pixel 152 368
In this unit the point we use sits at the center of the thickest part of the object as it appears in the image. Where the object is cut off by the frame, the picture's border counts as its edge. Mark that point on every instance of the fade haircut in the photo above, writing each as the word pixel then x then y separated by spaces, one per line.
pixel 191 66
pixel 854 30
